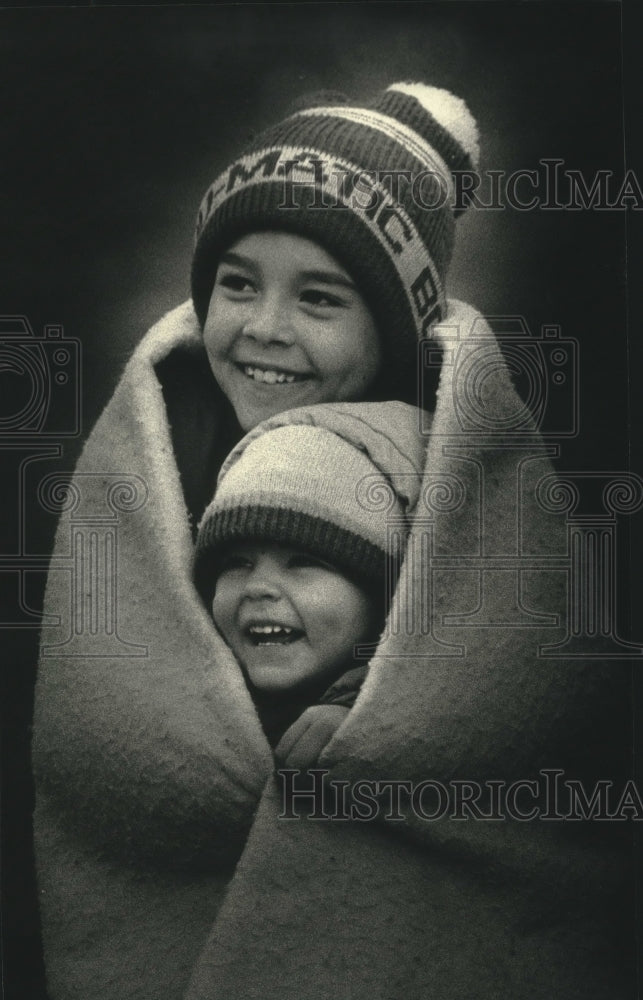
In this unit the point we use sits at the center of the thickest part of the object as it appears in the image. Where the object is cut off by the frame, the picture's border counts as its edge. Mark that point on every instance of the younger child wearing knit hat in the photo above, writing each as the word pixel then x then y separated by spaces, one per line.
pixel 297 565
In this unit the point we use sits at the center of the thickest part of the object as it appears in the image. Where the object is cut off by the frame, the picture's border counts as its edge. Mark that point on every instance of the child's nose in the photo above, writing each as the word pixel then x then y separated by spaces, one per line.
pixel 268 321
pixel 262 583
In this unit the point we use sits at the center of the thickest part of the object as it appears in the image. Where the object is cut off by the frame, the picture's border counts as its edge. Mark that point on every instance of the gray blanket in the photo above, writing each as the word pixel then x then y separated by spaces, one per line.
pixel 166 866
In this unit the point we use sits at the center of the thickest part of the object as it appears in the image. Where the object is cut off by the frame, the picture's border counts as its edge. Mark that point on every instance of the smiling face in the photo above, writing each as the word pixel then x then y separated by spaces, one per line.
pixel 291 619
pixel 286 327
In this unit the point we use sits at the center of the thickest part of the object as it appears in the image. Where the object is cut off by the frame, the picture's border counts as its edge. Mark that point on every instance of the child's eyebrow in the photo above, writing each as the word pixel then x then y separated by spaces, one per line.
pixel 328 278
pixel 236 259
pixel 322 277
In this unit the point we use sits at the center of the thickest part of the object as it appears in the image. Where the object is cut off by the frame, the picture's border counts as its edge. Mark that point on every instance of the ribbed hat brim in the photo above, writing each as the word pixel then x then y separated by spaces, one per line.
pixel 357 557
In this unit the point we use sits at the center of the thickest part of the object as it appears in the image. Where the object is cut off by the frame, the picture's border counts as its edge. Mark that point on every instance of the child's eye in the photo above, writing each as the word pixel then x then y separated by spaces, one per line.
pixel 303 560
pixel 315 297
pixel 232 562
pixel 234 282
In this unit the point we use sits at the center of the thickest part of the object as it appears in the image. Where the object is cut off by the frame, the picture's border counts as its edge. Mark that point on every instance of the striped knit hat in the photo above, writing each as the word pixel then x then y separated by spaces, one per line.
pixel 370 182
pixel 338 480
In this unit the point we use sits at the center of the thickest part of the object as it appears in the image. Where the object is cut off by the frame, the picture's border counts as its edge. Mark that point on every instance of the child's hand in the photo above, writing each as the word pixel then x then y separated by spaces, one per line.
pixel 301 745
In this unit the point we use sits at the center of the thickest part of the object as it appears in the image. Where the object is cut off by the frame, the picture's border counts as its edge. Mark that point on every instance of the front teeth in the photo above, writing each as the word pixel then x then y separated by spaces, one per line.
pixel 270 630
pixel 271 377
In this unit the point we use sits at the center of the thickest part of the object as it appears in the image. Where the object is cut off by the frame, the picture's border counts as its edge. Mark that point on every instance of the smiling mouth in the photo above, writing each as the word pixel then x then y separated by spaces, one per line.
pixel 271 376
pixel 273 635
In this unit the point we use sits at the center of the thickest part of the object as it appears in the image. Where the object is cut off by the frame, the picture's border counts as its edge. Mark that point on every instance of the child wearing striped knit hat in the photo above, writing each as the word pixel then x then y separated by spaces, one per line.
pixel 320 261
pixel 297 563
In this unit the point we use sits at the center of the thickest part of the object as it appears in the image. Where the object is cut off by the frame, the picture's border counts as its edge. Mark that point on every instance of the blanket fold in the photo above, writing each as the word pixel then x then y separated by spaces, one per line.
pixel 155 784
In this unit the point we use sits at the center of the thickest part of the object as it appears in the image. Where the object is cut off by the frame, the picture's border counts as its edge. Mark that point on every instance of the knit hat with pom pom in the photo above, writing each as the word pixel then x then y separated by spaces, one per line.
pixel 370 182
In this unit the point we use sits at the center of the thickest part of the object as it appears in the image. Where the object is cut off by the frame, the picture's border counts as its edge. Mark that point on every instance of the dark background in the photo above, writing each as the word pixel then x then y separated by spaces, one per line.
pixel 115 120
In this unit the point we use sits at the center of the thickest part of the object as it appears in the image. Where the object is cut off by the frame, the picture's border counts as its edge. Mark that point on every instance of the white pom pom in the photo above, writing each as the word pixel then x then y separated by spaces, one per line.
pixel 450 111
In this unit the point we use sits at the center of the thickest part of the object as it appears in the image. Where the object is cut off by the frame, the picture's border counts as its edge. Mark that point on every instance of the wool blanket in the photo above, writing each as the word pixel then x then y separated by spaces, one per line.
pixel 432 859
